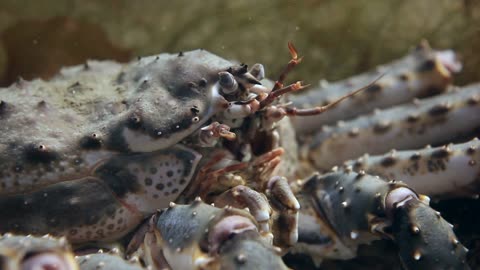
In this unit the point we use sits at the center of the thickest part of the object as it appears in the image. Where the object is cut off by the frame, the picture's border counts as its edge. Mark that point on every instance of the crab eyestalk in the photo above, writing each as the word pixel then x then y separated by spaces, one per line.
pixel 344 210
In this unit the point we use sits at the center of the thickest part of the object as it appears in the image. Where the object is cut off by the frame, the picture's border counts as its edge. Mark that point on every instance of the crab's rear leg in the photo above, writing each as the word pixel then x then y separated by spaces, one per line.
pixel 422 73
pixel 428 121
pixel 440 172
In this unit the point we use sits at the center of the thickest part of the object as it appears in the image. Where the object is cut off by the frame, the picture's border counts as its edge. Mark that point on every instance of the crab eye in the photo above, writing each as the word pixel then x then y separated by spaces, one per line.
pixel 227 82
pixel 45 261
pixel 258 71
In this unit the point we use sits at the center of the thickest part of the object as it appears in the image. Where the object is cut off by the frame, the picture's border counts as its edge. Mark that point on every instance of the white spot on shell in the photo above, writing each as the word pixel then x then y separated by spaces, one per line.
pixel 417 255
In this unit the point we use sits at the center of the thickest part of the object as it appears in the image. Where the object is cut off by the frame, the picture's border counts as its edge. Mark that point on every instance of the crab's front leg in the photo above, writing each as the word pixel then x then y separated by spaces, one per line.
pixel 344 210
pixel 201 236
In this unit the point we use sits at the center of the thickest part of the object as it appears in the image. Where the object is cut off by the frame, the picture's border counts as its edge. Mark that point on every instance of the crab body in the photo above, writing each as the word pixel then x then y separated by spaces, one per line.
pixel 94 151
pixel 97 150
pixel 27 252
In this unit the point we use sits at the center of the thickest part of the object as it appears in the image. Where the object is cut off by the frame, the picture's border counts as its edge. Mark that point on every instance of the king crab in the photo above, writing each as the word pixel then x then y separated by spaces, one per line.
pixel 216 132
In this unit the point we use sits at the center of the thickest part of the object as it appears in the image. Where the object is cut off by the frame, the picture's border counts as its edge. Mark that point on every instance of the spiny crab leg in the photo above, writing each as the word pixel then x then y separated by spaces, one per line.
pixel 422 73
pixel 450 170
pixel 409 126
pixel 202 236
pixel 351 209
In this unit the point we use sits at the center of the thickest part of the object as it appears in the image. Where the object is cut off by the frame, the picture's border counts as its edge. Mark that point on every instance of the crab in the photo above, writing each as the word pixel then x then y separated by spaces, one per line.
pixel 97 150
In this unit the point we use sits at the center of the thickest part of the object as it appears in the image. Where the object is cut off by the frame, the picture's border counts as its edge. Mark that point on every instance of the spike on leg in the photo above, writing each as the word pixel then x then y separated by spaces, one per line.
pixel 425 239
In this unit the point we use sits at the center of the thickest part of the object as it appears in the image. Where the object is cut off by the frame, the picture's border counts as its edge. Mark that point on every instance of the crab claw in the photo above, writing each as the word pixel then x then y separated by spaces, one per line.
pixel 425 240
pixel 201 236
pixel 33 253
pixel 350 209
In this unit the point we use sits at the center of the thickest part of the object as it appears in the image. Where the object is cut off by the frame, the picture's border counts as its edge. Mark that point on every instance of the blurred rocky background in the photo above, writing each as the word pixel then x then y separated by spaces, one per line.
pixel 338 38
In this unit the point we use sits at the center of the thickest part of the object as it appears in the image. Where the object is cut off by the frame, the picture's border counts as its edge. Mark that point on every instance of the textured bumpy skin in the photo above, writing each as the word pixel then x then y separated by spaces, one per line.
pixel 200 236
pixel 58 130
pixel 343 210
pixel 447 171
pixel 101 146
pixel 106 204
pixel 106 261
pixel 410 126
pixel 422 73
pixel 26 252
pixel 425 240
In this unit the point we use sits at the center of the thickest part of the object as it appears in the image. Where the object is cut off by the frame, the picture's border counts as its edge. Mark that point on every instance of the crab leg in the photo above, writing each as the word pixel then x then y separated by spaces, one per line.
pixel 447 171
pixel 28 252
pixel 344 210
pixel 422 73
pixel 427 121
pixel 200 236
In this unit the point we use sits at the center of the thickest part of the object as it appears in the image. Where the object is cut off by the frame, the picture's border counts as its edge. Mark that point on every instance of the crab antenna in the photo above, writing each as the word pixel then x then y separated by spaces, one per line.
pixel 321 109
pixel 291 64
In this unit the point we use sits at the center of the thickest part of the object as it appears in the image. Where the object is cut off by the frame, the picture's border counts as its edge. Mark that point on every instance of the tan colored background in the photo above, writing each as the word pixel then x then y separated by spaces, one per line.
pixel 337 37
